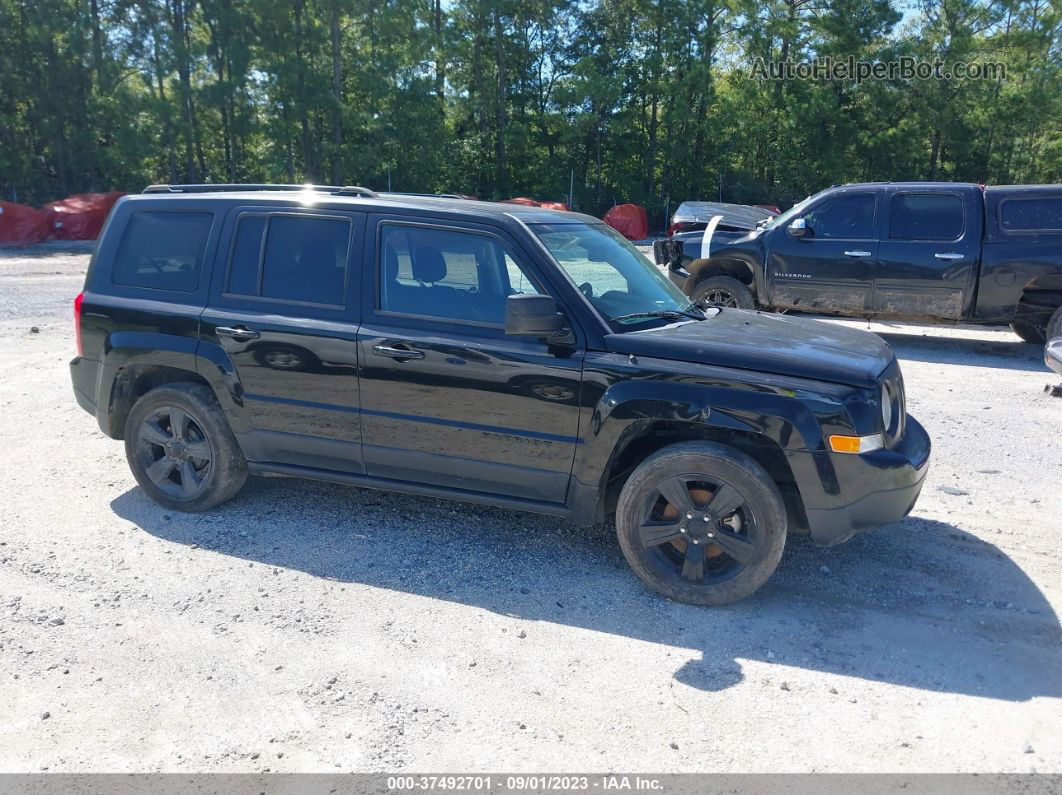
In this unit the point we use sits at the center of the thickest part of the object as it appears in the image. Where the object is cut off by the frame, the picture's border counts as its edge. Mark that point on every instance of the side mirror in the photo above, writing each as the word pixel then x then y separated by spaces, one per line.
pixel 531 315
pixel 799 228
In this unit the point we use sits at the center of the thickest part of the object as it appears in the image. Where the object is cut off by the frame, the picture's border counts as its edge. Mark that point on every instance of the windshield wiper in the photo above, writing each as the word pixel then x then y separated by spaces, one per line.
pixel 667 314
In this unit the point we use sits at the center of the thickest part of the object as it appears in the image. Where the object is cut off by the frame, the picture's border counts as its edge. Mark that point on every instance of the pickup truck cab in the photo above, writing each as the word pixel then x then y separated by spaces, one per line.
pixel 496 354
pixel 927 251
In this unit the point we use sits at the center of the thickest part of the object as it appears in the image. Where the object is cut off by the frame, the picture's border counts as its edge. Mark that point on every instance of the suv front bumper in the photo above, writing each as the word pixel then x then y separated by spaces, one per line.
pixel 858 492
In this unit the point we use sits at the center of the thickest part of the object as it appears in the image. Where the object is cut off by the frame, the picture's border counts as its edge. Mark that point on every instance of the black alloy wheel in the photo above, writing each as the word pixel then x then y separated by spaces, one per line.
pixel 181 449
pixel 175 452
pixel 701 522
pixel 700 527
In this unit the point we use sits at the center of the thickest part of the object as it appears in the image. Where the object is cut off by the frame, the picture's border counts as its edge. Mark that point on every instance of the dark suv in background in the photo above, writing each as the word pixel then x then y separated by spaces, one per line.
pixel 492 353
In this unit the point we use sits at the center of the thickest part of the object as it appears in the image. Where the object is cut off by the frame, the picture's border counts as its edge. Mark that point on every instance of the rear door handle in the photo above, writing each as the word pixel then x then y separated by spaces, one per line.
pixel 857 253
pixel 950 255
pixel 397 353
pixel 238 333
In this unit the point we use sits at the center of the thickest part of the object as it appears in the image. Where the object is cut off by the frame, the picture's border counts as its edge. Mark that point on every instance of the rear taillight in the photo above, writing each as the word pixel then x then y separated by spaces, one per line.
pixel 77 323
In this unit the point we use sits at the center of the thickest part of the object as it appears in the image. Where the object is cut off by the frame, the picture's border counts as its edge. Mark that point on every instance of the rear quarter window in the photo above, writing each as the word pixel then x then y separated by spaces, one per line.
pixel 162 250
pixel 1032 214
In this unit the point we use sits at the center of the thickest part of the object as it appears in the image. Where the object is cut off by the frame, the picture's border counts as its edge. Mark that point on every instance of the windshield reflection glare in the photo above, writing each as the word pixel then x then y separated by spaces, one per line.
pixel 615 276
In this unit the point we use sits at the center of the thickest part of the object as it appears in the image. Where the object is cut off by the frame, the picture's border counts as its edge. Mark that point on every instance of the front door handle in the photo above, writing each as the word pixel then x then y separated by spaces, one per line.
pixel 397 353
pixel 238 333
pixel 857 253
pixel 950 255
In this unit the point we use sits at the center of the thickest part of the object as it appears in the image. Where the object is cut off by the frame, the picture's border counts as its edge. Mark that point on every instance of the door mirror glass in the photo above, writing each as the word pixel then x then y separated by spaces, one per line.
pixel 531 315
pixel 798 228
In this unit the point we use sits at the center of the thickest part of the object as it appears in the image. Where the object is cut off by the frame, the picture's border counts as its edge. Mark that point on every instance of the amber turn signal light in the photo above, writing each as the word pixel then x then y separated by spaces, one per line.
pixel 856 444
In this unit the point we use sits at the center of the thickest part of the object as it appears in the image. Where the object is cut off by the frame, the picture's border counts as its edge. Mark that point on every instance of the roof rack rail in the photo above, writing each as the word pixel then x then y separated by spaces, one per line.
pixel 336 190
pixel 424 195
pixel 356 190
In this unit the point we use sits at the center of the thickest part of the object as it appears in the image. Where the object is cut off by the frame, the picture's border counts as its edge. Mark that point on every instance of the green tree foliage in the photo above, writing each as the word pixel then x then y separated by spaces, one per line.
pixel 651 101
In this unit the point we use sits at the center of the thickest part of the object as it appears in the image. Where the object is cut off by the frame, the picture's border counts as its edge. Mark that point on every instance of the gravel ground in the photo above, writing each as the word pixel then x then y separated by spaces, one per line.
pixel 312 627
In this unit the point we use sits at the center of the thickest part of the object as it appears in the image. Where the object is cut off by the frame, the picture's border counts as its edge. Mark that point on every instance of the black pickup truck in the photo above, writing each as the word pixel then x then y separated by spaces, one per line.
pixel 936 251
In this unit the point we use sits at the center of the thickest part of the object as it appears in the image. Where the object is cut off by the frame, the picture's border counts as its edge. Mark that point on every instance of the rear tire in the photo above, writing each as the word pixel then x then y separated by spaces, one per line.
pixel 724 291
pixel 1028 332
pixel 181 450
pixel 719 535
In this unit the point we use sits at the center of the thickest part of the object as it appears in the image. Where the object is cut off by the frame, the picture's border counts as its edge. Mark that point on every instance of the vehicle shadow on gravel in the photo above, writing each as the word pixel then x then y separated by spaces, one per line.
pixel 920 603
pixel 1006 354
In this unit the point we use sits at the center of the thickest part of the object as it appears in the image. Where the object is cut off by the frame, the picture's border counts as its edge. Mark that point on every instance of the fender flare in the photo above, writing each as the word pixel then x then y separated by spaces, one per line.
pixel 133 349
pixel 698 266
pixel 628 408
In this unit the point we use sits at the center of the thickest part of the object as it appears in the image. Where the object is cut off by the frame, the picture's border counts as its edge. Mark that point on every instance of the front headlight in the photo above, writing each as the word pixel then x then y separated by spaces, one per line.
pixel 888 406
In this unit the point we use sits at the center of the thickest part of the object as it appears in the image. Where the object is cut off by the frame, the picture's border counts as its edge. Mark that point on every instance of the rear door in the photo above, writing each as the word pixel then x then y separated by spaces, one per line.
pixel 928 255
pixel 284 313
pixel 447 398
pixel 831 269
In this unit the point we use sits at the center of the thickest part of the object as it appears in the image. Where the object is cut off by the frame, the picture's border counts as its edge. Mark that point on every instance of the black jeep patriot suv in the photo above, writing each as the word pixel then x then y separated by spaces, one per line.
pixel 492 353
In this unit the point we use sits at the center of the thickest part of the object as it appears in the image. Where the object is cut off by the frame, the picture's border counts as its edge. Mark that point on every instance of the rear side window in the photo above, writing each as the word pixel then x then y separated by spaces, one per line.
pixel 1031 214
pixel 926 216
pixel 303 259
pixel 162 250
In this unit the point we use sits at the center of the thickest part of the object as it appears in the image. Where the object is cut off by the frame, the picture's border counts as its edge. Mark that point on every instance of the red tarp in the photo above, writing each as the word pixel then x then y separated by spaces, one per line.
pixel 21 225
pixel 554 206
pixel 522 200
pixel 630 220
pixel 81 216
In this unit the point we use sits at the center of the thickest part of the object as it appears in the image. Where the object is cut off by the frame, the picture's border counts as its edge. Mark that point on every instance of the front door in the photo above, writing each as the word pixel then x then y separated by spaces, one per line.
pixel 447 398
pixel 929 256
pixel 283 310
pixel 831 269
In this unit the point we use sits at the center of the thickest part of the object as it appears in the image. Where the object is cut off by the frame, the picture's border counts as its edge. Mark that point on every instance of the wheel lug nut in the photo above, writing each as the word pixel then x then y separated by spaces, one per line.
pixel 695 541
pixel 683 529
pixel 705 518
pixel 711 535
pixel 689 516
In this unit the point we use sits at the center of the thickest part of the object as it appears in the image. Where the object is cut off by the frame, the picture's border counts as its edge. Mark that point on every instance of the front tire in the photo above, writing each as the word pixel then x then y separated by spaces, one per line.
pixel 702 523
pixel 181 450
pixel 1028 332
pixel 724 291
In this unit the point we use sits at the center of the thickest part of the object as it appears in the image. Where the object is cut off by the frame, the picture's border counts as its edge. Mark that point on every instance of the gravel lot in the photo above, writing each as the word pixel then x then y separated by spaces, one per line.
pixel 312 627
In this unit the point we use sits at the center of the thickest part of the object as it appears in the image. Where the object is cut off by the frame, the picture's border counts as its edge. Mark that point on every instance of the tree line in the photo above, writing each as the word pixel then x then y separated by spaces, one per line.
pixel 650 101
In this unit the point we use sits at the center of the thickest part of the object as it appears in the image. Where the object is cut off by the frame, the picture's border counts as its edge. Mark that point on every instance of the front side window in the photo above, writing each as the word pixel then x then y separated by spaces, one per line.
pixel 925 216
pixel 447 273
pixel 1041 213
pixel 304 259
pixel 847 216
pixel 163 250
pixel 613 275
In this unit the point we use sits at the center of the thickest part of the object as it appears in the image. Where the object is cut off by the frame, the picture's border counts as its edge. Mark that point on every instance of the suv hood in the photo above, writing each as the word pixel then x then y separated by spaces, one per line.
pixel 778 344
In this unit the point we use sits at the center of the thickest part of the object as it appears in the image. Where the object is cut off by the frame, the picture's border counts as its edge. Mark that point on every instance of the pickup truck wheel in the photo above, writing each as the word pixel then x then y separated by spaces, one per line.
pixel 722 291
pixel 1028 332
pixel 181 449
pixel 701 522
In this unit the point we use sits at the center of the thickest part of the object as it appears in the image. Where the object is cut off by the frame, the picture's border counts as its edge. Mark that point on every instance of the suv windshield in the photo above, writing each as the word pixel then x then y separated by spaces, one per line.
pixel 617 279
